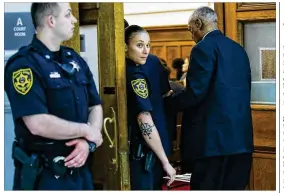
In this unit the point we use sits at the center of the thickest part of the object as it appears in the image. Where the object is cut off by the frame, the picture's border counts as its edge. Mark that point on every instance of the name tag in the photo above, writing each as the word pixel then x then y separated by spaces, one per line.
pixel 54 75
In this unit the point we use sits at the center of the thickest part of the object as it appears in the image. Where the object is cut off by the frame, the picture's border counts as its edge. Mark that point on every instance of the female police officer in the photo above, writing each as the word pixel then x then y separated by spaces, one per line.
pixel 147 133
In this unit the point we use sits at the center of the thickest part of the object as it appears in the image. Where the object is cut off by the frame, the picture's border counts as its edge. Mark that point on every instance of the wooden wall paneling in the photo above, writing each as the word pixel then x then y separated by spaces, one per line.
pixel 240 33
pixel 236 12
pixel 264 125
pixel 231 21
pixel 175 43
pixel 170 36
pixel 169 33
pixel 255 6
pixel 234 20
pixel 158 50
pixel 219 9
pixel 88 13
pixel 172 53
pixel 179 51
pixel 166 28
pixel 264 171
pixel 164 54
pixel 90 17
pixel 88 6
pixel 259 107
pixel 256 15
pixel 182 50
pixel 186 50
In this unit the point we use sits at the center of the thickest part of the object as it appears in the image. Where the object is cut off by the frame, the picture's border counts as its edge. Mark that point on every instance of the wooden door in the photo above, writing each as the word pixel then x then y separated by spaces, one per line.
pixel 113 94
pixel 110 166
pixel 252 26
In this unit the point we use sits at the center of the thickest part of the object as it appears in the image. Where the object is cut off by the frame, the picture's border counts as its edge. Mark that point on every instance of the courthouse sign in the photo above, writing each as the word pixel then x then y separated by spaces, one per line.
pixel 18 30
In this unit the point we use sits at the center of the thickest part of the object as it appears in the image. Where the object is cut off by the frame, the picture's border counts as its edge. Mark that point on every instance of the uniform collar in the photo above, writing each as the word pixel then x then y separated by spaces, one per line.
pixel 46 53
pixel 130 62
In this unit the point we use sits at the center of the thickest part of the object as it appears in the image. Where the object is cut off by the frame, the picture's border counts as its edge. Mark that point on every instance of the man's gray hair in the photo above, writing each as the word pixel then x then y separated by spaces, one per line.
pixel 206 14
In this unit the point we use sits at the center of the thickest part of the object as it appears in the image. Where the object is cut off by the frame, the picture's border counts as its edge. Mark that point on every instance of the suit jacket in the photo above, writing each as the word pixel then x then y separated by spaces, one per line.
pixel 216 102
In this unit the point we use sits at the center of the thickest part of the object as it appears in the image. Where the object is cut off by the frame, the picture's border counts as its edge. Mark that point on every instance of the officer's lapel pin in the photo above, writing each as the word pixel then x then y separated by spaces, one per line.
pixel 54 75
pixel 75 65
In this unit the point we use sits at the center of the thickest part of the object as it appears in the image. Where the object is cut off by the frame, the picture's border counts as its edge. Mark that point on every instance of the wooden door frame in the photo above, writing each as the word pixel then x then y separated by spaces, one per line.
pixel 232 15
pixel 219 9
pixel 111 50
pixel 109 19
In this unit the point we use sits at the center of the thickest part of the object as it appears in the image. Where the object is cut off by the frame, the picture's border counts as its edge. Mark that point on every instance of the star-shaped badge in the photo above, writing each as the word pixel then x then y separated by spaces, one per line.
pixel 75 65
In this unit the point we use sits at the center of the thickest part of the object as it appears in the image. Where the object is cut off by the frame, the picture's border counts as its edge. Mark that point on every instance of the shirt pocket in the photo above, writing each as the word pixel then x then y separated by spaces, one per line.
pixel 83 83
pixel 60 98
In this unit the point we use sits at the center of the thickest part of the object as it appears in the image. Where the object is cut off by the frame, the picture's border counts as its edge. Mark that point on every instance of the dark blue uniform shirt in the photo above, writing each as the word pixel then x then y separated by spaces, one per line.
pixel 36 84
pixel 144 93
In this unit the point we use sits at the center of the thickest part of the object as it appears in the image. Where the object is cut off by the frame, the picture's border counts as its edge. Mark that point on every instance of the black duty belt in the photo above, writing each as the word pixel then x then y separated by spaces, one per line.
pixel 48 154
pixel 57 167
pixel 58 147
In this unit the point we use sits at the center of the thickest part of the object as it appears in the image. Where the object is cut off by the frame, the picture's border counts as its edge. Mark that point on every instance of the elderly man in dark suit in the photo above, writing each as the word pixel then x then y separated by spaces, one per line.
pixel 217 134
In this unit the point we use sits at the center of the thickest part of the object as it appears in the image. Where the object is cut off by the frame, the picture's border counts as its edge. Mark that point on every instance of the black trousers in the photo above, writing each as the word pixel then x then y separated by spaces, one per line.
pixel 229 172
pixel 140 179
pixel 79 180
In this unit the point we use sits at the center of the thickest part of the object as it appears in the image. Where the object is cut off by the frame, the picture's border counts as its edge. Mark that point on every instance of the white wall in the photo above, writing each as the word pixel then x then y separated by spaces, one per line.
pixel 17 7
pixel 160 14
pixel 90 54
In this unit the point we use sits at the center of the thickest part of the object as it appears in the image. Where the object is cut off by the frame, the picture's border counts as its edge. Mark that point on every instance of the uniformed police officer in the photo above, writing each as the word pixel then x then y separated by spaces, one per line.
pixel 148 141
pixel 55 105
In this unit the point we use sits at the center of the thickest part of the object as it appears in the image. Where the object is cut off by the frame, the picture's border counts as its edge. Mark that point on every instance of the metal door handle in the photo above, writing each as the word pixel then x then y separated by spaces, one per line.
pixel 110 120
pixel 113 142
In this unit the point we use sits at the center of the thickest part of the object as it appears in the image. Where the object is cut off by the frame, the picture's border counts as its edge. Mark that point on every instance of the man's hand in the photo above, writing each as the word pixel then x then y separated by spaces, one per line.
pixel 94 135
pixel 79 155
pixel 171 172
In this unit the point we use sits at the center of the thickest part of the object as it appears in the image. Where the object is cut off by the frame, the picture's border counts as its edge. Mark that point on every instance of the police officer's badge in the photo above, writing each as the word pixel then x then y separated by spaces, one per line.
pixel 23 80
pixel 140 87
pixel 75 65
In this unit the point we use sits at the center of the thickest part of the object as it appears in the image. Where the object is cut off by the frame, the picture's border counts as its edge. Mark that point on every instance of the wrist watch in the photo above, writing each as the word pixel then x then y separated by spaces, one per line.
pixel 92 146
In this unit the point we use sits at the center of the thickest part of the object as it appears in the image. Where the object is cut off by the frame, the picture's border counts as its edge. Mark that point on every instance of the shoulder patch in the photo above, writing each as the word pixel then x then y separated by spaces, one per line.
pixel 140 87
pixel 23 80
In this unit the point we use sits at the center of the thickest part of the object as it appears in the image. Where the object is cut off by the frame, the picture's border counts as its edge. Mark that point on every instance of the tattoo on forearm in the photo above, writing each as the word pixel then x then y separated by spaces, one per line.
pixel 145 128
